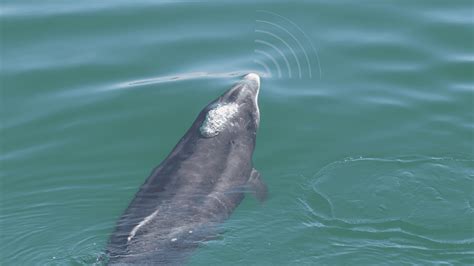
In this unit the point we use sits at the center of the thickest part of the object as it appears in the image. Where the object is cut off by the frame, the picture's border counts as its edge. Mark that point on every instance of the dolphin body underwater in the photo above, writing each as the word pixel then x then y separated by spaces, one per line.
pixel 197 186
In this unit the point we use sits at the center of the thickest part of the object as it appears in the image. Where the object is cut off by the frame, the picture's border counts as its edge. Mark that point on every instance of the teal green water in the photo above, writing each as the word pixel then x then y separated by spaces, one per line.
pixel 365 142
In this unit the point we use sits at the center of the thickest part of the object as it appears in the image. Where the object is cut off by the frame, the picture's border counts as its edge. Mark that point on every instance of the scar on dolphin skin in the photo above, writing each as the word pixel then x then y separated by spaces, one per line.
pixel 217 119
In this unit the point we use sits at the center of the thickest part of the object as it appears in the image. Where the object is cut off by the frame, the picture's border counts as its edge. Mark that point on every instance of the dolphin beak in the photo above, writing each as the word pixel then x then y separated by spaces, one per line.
pixel 254 81
pixel 248 87
pixel 254 84
pixel 253 78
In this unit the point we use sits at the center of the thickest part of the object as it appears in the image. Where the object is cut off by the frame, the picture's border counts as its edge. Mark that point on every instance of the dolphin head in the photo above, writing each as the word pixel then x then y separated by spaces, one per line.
pixel 235 112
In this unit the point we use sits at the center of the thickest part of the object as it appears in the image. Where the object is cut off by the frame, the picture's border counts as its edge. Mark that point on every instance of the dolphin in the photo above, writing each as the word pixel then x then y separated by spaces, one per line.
pixel 197 186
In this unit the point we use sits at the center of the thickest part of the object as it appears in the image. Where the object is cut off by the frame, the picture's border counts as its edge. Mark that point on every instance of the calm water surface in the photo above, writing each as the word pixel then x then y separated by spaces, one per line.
pixel 366 136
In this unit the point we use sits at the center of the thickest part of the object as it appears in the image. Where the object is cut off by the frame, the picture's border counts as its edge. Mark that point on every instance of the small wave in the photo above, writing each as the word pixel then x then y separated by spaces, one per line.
pixel 184 76
pixel 391 198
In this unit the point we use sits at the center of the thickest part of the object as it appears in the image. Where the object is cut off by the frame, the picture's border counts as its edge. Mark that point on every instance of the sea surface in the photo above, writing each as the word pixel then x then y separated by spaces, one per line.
pixel 365 143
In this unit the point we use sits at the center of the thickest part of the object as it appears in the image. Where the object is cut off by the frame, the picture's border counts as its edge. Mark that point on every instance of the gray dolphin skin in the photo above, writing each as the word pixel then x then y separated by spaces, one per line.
pixel 197 186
